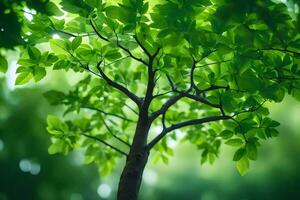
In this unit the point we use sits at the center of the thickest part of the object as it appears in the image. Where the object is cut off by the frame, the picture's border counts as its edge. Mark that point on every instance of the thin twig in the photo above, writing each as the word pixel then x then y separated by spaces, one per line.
pixel 111 132
pixel 119 87
pixel 119 45
pixel 105 143
pixel 184 124
pixel 110 114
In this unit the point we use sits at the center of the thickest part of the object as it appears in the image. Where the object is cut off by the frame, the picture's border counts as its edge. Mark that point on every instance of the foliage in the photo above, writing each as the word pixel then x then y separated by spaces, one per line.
pixel 12 19
pixel 192 64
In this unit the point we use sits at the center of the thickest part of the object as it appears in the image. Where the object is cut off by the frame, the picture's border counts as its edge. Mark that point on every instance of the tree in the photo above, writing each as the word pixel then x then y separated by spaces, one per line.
pixel 11 21
pixel 205 68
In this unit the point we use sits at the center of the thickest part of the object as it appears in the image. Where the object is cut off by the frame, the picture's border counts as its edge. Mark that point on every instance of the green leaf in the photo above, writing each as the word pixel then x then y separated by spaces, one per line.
pixel 56 126
pixel 239 154
pixel 271 132
pixel 251 151
pixel 61 64
pixel 59 146
pixel 249 82
pixel 76 42
pixel 274 92
pixel 54 97
pixel 52 9
pixel 78 7
pixel 229 124
pixel 204 3
pixel 261 133
pixel 243 36
pixel 228 102
pixel 121 13
pixel 22 69
pixel 145 8
pixel 211 158
pixel 58 46
pixel 114 12
pixel 242 166
pixel 3 64
pixel 226 134
pixel 112 55
pixel 85 51
pixel 94 3
pixel 274 124
pixel 286 60
pixel 165 159
pixel 234 142
pixel 56 147
pixel 294 68
pixel 23 78
pixel 39 73
pixel 27 62
pixel 34 53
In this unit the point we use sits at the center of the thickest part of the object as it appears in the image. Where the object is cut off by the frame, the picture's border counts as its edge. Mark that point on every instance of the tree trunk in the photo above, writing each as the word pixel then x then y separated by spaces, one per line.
pixel 131 177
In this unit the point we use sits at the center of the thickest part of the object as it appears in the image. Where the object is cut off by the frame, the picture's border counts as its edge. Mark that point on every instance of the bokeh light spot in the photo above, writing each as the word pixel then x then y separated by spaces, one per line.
pixel 1 145
pixel 25 165
pixel 104 190
pixel 150 176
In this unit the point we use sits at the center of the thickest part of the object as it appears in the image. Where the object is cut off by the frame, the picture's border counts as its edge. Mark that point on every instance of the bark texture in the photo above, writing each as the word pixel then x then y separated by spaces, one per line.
pixel 131 177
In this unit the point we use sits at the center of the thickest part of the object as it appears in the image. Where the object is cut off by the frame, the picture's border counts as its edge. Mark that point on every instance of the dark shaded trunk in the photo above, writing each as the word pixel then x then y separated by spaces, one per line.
pixel 131 177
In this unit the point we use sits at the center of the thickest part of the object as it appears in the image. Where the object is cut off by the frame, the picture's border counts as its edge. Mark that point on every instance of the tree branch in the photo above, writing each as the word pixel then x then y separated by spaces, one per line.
pixel 200 99
pixel 281 50
pixel 107 113
pixel 119 87
pixel 184 124
pixel 142 46
pixel 111 132
pixel 189 122
pixel 105 143
pixel 151 83
pixel 213 63
pixel 120 46
pixel 72 34
pixel 192 76
pixel 161 94
pixel 216 87
pixel 130 108
pixel 166 106
pixel 250 110
pixel 83 66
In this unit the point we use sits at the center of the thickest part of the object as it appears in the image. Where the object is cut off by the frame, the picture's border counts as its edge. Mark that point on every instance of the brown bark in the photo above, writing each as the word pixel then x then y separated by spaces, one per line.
pixel 131 177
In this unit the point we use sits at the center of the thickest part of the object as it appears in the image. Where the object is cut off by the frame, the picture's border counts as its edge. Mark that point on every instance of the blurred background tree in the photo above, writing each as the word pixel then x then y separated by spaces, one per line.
pixel 26 170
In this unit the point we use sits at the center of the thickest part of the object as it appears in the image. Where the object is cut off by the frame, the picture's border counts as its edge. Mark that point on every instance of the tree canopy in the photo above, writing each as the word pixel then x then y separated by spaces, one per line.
pixel 11 22
pixel 203 69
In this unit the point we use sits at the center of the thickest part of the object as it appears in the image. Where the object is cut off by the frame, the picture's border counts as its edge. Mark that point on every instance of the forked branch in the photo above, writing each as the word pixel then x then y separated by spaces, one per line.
pixel 184 124
pixel 118 44
pixel 114 135
pixel 119 87
pixel 197 122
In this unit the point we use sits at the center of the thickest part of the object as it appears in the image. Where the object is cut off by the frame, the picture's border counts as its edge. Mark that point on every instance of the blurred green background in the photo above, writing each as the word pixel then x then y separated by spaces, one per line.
pixel 28 172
